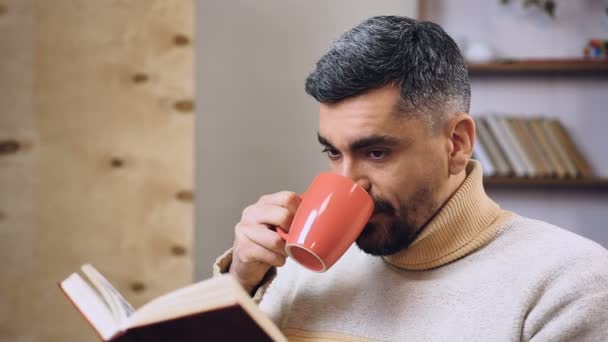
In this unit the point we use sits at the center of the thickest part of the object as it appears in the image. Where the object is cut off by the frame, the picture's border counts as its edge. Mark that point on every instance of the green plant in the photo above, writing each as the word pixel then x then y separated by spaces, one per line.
pixel 548 6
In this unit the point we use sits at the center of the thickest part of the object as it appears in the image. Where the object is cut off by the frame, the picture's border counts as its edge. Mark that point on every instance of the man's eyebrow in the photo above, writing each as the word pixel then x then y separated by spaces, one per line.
pixel 374 140
pixel 363 143
pixel 324 141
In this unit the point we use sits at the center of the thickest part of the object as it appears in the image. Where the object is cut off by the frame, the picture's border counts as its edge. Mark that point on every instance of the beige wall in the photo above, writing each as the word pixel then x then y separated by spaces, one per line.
pixel 96 140
pixel 256 128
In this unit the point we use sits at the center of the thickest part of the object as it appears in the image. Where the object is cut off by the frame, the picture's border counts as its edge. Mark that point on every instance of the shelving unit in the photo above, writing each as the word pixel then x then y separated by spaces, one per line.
pixel 544 67
pixel 593 184
pixel 561 67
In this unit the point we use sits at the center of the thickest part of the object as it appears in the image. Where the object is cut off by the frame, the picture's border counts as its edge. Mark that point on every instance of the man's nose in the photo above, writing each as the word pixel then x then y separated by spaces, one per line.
pixel 351 171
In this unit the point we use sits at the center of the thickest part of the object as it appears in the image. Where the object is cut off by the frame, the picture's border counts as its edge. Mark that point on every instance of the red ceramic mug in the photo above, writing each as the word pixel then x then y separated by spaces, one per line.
pixel 332 214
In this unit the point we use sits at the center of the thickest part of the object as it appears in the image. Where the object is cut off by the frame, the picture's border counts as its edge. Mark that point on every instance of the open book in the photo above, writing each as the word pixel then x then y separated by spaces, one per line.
pixel 216 309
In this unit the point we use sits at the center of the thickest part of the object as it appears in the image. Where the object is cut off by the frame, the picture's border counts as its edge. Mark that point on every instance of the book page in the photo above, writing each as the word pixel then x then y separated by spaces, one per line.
pixel 121 309
pixel 90 305
pixel 192 298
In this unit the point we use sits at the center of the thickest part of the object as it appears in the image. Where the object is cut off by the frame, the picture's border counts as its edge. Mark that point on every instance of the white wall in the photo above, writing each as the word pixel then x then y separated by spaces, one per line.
pixel 256 127
pixel 580 102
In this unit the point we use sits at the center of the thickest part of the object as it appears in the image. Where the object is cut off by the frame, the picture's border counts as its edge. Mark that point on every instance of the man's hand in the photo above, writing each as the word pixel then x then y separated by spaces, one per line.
pixel 256 247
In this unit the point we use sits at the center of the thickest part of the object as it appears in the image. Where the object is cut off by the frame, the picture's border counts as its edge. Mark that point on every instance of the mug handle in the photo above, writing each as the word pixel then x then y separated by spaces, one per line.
pixel 283 234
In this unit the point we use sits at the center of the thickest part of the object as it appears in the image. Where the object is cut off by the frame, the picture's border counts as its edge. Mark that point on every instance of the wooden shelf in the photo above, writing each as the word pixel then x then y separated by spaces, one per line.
pixel 542 66
pixel 599 184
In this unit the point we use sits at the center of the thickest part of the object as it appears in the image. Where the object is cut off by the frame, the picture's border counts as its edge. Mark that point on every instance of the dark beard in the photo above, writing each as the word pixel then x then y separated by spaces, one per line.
pixel 395 232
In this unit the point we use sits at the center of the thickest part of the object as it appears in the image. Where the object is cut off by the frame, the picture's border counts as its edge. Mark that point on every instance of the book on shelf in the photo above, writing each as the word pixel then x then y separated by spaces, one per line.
pixel 536 127
pixel 564 147
pixel 494 151
pixel 216 309
pixel 480 154
pixel 503 139
pixel 573 152
pixel 525 146
pixel 531 147
pixel 568 163
pixel 530 170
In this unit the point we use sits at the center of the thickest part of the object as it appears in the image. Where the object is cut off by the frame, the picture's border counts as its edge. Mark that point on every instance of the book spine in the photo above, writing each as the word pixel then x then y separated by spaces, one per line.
pixel 503 140
pixel 531 170
pixel 495 153
pixel 527 144
pixel 566 140
pixel 480 153
pixel 560 151
pixel 539 132
pixel 542 158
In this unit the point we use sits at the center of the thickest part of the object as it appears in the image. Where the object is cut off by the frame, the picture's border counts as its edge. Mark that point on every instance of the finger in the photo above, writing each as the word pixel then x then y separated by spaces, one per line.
pixel 250 253
pixel 286 199
pixel 269 214
pixel 261 235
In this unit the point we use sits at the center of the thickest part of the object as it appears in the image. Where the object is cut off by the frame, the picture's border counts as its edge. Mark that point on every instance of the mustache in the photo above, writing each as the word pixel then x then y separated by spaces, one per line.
pixel 382 206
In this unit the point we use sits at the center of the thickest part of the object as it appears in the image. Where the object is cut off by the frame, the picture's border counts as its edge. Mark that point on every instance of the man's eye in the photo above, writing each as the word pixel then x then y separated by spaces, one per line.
pixel 332 153
pixel 377 154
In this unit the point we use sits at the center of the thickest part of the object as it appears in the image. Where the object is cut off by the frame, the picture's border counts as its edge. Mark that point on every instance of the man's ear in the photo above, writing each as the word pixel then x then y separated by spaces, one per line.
pixel 461 133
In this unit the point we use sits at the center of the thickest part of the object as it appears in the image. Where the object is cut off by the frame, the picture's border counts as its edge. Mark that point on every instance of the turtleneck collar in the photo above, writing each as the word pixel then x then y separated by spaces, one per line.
pixel 466 222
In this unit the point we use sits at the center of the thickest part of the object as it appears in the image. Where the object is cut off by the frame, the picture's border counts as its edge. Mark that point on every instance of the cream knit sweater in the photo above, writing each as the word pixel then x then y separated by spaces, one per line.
pixel 475 273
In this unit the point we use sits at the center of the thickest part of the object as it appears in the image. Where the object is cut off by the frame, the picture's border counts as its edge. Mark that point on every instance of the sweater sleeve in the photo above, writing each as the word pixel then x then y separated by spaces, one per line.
pixel 573 306
pixel 222 266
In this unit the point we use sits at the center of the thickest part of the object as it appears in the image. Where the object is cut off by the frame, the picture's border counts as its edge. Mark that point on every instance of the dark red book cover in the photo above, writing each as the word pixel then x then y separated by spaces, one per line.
pixel 224 324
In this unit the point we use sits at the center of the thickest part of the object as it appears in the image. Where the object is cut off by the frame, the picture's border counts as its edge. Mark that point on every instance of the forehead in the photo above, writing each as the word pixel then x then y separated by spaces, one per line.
pixel 372 113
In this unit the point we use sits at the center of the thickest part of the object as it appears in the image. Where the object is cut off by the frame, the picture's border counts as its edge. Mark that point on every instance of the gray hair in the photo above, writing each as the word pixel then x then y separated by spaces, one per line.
pixel 418 57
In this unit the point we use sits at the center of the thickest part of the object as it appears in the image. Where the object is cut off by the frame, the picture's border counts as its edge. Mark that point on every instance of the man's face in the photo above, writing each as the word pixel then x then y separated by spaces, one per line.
pixel 399 161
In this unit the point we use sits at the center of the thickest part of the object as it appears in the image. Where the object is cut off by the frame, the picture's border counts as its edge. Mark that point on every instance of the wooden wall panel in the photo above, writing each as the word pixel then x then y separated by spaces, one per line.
pixel 17 138
pixel 99 95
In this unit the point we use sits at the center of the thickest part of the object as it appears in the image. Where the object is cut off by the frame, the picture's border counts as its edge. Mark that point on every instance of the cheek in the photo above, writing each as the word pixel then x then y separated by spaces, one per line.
pixel 399 185
pixel 431 163
pixel 333 166
pixel 439 155
pixel 393 188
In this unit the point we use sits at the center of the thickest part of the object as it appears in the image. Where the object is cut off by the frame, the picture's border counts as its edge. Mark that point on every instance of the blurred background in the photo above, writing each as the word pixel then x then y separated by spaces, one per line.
pixel 133 133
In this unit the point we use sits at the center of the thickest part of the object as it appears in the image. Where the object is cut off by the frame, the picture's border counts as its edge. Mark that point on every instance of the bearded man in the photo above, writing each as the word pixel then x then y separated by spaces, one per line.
pixel 438 260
